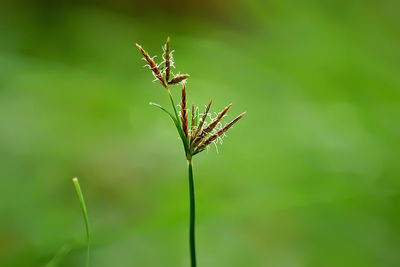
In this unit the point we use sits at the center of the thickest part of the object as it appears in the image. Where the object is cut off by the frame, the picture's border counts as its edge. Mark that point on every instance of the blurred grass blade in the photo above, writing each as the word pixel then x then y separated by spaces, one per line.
pixel 64 250
pixel 85 216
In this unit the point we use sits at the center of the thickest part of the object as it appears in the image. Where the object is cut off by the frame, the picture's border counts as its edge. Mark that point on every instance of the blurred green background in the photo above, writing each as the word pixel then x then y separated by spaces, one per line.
pixel 310 177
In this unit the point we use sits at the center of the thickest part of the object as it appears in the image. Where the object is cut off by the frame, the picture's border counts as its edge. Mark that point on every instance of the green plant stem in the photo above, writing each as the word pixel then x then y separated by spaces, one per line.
pixel 178 126
pixel 192 242
pixel 85 216
pixel 173 105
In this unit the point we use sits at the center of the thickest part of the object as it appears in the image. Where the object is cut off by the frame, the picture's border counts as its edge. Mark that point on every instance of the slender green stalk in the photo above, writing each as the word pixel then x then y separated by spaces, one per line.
pixel 85 216
pixel 179 127
pixel 192 216
pixel 198 137
pixel 173 105
pixel 192 241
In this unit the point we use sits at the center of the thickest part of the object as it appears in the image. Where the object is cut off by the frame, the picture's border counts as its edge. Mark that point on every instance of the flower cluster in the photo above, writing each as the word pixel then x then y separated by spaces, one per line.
pixel 196 134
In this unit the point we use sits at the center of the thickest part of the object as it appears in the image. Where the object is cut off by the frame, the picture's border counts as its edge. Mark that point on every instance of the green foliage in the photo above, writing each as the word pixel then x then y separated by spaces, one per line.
pixel 316 184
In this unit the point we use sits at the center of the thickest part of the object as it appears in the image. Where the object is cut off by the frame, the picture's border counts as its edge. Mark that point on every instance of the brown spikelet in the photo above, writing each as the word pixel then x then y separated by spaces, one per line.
pixel 210 126
pixel 167 60
pixel 221 131
pixel 178 78
pixel 192 122
pixel 214 123
pixel 184 114
pixel 200 126
pixel 153 66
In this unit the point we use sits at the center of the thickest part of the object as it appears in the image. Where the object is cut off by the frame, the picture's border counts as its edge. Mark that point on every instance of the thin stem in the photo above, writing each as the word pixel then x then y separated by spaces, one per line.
pixel 85 216
pixel 178 126
pixel 192 242
pixel 172 103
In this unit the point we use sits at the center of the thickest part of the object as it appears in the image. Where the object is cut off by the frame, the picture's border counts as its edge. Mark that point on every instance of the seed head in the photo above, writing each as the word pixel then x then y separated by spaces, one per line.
pixel 193 122
pixel 184 114
pixel 196 137
pixel 203 119
pixel 214 123
pixel 203 134
pixel 179 78
pixel 153 66
pixel 167 60
pixel 199 134
pixel 219 132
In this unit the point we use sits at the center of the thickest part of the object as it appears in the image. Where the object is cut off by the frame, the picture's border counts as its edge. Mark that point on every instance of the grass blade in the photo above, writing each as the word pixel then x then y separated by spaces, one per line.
pixel 163 109
pixel 64 250
pixel 85 216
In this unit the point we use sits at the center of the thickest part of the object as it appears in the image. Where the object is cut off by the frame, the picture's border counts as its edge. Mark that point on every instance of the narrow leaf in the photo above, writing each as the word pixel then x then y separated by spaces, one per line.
pixel 163 109
pixel 85 216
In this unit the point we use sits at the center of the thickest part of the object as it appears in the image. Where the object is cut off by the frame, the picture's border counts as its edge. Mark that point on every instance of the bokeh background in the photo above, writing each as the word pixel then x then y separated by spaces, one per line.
pixel 310 177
